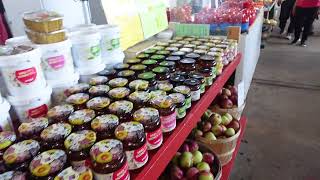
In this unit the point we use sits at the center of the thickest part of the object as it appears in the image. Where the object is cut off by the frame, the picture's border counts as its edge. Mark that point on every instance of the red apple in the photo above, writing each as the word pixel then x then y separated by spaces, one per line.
pixel 192 173
pixel 207 127
pixel 224 128
pixel 233 90
pixel 193 146
pixel 226 92
pixel 184 148
pixel 234 124
pixel 226 104
pixel 223 97
pixel 217 130
pixel 176 173
pixel 198 133
pixel 234 99
pixel 208 158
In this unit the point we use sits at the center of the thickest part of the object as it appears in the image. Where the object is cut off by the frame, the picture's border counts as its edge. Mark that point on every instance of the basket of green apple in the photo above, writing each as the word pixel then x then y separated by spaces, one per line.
pixel 220 133
pixel 193 161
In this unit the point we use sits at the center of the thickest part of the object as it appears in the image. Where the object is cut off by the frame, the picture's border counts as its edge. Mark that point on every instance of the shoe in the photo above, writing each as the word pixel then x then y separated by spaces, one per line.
pixel 289 37
pixel 294 41
pixel 303 44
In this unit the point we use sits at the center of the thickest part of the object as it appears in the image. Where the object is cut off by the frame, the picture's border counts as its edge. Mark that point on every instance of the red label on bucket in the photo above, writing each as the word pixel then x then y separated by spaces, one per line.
pixel 40 111
pixel 26 76
pixel 56 62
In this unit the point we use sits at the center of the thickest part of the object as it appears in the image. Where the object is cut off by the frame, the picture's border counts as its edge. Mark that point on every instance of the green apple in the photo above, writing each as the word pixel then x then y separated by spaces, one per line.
pixel 210 136
pixel 228 116
pixel 205 176
pixel 230 132
pixel 197 157
pixel 203 166
pixel 215 119
pixel 225 120
pixel 186 160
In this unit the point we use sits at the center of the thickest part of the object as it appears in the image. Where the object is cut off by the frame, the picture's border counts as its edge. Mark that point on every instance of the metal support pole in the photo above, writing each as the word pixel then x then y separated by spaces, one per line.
pixel 86 11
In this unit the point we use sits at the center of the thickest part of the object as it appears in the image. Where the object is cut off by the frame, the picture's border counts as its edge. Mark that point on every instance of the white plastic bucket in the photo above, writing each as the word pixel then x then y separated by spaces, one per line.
pixel 86 48
pixel 58 96
pixel 26 108
pixel 87 73
pixel 22 73
pixel 57 60
pixel 5 120
pixel 82 27
pixel 20 40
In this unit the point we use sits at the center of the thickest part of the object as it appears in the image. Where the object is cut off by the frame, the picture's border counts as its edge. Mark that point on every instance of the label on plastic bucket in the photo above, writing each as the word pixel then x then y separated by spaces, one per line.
pixel 26 76
pixel 40 111
pixel 56 62
pixel 112 44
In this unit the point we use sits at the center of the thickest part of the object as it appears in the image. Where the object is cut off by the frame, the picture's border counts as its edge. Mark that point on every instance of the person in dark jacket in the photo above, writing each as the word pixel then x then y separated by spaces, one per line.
pixel 285 14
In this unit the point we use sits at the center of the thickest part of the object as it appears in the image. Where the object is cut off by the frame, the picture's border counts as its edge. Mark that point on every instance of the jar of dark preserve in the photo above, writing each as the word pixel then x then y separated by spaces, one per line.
pixel 99 105
pixel 80 120
pixel 53 136
pixel 60 113
pixel 123 109
pixel 109 160
pixel 194 85
pixel 139 99
pixel 177 80
pixel 206 61
pixel 193 56
pixel 150 63
pixel 178 53
pixel 7 138
pixel 150 77
pixel 119 93
pixel 187 65
pixel 128 74
pixel 118 82
pixel 150 119
pixel 182 73
pixel 139 85
pixel 208 76
pixel 166 108
pixel 121 66
pixel 138 68
pixel 159 57
pixel 105 125
pixel 173 58
pixel 186 91
pixel 200 77
pixel 33 128
pixel 133 137
pixel 78 88
pixel 169 64
pixel 99 91
pixel 162 73
pixel 143 56
pixel 78 146
pixel 69 173
pixel 78 100
pixel 179 101
pixel 150 51
pixel 109 73
pixel 48 164
pixel 98 80
pixel 133 61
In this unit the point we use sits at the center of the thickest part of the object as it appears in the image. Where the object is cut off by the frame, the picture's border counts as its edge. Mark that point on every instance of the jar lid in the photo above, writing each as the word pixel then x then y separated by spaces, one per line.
pixel 192 55
pixel 143 56
pixel 157 93
pixel 60 110
pixel 80 140
pixel 203 39
pixel 21 151
pixel 215 49
pixel 187 61
pixel 42 16
pixel 203 47
pixel 177 98
pixel 185 90
pixel 139 84
pixel 79 98
pixel 34 126
pixel 178 53
pixel 147 76
pixel 149 62
pixel 176 45
pixel 133 61
pixel 138 67
pixel 160 70
pixel 162 101
pixel 165 86
pixel 171 49
pixel 98 103
pixel 121 66
pixel 6 139
pixel 126 73
pixel 119 93
pixel 183 42
pixel 103 89
pixel 207 58
pixel 98 80
pixel 197 43
pixel 192 82
pixel 13 175
pixel 177 78
pixel 162 52
pixel 139 96
pixel 119 107
pixel 190 39
pixel 187 50
pixel 173 58
pixel 150 51
pixel 189 46
pixel 146 115
pixel 107 122
pixel 81 116
pixel 215 54
pixel 56 131
pixel 107 151
pixel 79 173
pixel 48 162
pixel 169 64
pixel 196 75
pixel 107 72
pixel 206 70
pixel 200 51
pixel 130 131
pixel 209 44
pixel 158 56
pixel 118 82
pixel 181 73
pixel 162 44
pixel 158 48
pixel 78 88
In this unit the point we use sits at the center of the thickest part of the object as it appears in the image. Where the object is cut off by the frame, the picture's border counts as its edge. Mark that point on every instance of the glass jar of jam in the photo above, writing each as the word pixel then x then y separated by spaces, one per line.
pixel 162 44
pixel 13 175
pixel 80 120
pixel 159 57
pixel 7 138
pixel 186 91
pixel 206 61
pixel 119 93
pixel 208 76
pixel 187 65
pixel 139 85
pixel 186 50
pixel 78 88
pixel 150 51
pixel 133 137
pixel 60 113
pixel 165 86
pixel 32 129
pixel 18 155
pixel 177 80
pixel 200 51
pixel 53 136
pixel 133 61
pixel 109 73
pixel 193 56
pixel 150 63
pixel 99 90
pixel 138 68
pixel 162 73
pixel 179 101
pixel 169 64
pixel 128 74
pixel 78 100
pixel 109 160
pixel 121 66
pixel 139 98
pixel 171 49
pixel 48 164
pixel 179 54
pixel 80 173
pixel 194 85
pixel 192 46
pixel 105 125
pixel 98 80
pixel 78 145
pixel 150 77
pixel 166 108
pixel 123 109
pixel 157 93
pixel 118 82
pixel 163 53
pixel 182 73
pixel 99 105
pixel 143 56
pixel 150 119
pixel 178 45
pixel 199 77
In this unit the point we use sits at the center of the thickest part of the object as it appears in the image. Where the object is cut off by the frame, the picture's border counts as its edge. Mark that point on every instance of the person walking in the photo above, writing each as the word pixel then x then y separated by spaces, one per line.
pixel 285 14
pixel 305 12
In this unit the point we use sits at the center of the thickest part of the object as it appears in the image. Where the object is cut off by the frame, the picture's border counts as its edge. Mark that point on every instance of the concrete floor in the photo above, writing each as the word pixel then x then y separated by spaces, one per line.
pixel 282 139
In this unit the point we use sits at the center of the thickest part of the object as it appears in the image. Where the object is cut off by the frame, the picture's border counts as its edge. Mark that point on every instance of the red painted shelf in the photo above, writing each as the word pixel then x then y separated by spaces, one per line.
pixel 226 169
pixel 159 159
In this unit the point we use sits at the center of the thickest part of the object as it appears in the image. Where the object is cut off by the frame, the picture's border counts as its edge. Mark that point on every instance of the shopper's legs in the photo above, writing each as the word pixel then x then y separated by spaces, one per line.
pixel 284 15
pixel 299 18
pixel 310 15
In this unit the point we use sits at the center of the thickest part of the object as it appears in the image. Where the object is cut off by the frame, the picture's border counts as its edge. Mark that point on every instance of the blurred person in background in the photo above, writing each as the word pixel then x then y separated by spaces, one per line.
pixel 286 13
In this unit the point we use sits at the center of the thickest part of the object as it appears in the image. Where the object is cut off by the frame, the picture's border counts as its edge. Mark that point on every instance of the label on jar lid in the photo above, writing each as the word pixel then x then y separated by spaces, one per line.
pixel 165 86
pixel 146 115
pixel 167 63
pixel 98 80
pixel 207 58
pixel 187 61
pixel 106 151
pixel 163 52
pixel 99 89
pixel 80 140
pixel 21 151
pixel 119 93
pixel 129 130
pixel 143 56
pixel 48 162
pixel 126 73
pixel 193 55
pixel 149 62
pixel 118 82
pixel 187 50
pixel 139 96
pixel 137 158
pixel 171 48
pixel 203 47
pixel 107 72
pixel 162 101
pixel 98 103
pixel 35 126
pixel 160 69
pixel 121 107
pixel 157 93
pixel 177 98
pixel 81 116
pixel 185 90
pixel 105 122
pixel 133 61
pixel 178 53
pixel 79 98
pixel 60 110
pixel 138 67
pixel 147 75
pixel 6 139
pixel 80 173
pixel 13 175
pixel 173 58
pixel 82 87
pixel 121 66
pixel 56 131
pixel 139 84
pixel 158 57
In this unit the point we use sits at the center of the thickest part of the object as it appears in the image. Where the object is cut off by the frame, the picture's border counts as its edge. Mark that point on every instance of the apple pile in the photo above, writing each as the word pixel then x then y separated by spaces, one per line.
pixel 191 164
pixel 214 126
pixel 227 98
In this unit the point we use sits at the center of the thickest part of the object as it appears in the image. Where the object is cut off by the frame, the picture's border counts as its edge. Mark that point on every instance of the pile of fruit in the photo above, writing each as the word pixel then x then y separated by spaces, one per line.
pixel 227 98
